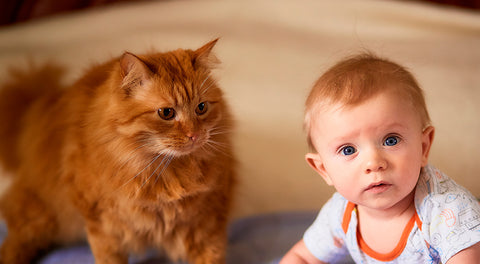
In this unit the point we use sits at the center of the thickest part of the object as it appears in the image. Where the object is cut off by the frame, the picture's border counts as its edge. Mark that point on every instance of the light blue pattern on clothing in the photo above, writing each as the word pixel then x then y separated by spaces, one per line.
pixel 450 218
pixel 449 213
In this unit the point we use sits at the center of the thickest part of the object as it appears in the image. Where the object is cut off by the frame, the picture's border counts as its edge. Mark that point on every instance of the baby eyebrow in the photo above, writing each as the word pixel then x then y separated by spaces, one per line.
pixel 337 145
pixel 343 140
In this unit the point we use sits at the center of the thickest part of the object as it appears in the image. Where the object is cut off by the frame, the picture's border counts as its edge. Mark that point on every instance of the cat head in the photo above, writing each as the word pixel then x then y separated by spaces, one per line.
pixel 170 102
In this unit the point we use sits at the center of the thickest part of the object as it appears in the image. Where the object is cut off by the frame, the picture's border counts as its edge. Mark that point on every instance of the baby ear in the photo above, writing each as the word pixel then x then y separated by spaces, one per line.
pixel 134 71
pixel 315 161
pixel 427 140
pixel 204 56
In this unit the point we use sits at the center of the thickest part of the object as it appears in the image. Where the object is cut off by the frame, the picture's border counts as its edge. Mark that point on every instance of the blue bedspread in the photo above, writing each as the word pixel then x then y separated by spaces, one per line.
pixel 253 240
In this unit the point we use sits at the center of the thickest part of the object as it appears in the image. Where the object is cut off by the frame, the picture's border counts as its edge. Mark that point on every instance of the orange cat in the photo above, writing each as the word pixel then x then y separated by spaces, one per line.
pixel 135 154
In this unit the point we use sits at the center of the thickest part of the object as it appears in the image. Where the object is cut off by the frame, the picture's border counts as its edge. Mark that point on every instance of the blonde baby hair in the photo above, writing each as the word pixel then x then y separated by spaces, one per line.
pixel 359 78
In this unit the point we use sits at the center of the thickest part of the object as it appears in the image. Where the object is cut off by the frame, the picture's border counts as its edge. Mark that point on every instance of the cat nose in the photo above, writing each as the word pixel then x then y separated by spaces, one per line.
pixel 192 136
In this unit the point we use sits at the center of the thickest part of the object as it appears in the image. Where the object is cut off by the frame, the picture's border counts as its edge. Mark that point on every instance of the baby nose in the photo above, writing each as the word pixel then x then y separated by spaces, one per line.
pixel 375 162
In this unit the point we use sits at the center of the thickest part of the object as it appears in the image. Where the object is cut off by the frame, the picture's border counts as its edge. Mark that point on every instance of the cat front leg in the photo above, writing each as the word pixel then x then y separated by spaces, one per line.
pixel 211 250
pixel 206 240
pixel 14 251
pixel 105 247
pixel 31 226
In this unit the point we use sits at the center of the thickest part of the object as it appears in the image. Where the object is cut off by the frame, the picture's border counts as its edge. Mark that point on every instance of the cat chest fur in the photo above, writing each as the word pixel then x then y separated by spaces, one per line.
pixel 162 213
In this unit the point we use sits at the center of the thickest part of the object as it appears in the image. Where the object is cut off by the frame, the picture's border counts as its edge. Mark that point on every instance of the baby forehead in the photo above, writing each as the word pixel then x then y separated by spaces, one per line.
pixel 351 100
pixel 382 108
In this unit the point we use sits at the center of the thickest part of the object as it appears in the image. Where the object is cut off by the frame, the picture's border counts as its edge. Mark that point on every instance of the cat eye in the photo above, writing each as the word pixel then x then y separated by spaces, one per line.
pixel 201 108
pixel 166 113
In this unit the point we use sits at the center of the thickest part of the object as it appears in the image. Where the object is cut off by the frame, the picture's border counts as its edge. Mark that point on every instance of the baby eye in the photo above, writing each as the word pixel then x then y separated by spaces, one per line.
pixel 347 150
pixel 391 141
pixel 166 113
pixel 201 108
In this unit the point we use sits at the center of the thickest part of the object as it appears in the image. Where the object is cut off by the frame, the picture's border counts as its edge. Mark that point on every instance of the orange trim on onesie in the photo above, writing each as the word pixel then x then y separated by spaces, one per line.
pixel 347 216
pixel 418 221
pixel 397 251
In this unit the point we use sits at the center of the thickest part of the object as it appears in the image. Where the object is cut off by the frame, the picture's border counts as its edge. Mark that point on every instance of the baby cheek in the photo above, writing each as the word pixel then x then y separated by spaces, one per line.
pixel 410 170
pixel 347 187
pixel 412 159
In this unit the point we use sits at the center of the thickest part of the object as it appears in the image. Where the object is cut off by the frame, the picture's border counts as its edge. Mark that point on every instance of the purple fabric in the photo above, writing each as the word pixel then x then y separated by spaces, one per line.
pixel 262 239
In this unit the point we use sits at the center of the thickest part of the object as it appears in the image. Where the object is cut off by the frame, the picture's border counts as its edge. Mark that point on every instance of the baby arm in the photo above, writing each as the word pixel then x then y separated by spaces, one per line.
pixel 299 254
pixel 466 256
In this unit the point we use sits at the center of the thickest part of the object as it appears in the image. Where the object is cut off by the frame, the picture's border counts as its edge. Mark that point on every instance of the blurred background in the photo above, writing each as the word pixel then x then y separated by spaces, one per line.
pixel 272 52
pixel 14 11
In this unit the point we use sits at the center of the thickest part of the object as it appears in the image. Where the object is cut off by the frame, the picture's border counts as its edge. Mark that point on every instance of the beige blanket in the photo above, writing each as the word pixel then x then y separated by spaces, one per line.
pixel 272 52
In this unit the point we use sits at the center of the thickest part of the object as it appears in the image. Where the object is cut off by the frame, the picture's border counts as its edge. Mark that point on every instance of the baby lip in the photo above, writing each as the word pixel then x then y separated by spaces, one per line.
pixel 377 184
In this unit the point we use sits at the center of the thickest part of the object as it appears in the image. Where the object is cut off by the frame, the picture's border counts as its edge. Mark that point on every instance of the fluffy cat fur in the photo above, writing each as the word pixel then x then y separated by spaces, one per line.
pixel 135 154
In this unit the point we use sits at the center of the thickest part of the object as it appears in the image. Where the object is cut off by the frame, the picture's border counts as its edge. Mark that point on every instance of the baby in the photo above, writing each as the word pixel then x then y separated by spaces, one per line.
pixel 368 125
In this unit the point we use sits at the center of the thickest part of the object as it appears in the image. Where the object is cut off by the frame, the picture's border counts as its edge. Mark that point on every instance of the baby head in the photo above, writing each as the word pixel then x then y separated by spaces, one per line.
pixel 369 129
pixel 355 80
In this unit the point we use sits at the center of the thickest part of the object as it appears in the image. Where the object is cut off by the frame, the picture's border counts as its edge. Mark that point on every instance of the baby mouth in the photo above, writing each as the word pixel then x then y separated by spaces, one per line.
pixel 378 187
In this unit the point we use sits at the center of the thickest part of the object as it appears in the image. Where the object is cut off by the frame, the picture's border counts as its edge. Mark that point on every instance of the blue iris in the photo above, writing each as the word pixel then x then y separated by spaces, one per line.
pixel 391 141
pixel 348 150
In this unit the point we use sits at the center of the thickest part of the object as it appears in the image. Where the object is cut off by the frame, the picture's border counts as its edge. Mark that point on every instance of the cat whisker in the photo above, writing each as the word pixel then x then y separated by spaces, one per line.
pixel 165 161
pixel 132 156
pixel 136 149
pixel 148 165
pixel 217 146
pixel 225 128
pixel 219 132
pixel 206 89
pixel 208 76
pixel 210 86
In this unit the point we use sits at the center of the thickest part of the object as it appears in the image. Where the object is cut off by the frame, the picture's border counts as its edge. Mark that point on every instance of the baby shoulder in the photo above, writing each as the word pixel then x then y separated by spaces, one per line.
pixel 450 215
pixel 437 195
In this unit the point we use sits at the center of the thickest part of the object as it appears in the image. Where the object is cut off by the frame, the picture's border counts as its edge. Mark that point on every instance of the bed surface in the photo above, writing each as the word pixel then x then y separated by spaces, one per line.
pixel 271 53
pixel 262 239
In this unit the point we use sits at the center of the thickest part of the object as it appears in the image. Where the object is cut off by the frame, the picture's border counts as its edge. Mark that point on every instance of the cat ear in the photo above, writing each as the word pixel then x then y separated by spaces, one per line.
pixel 204 56
pixel 134 71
